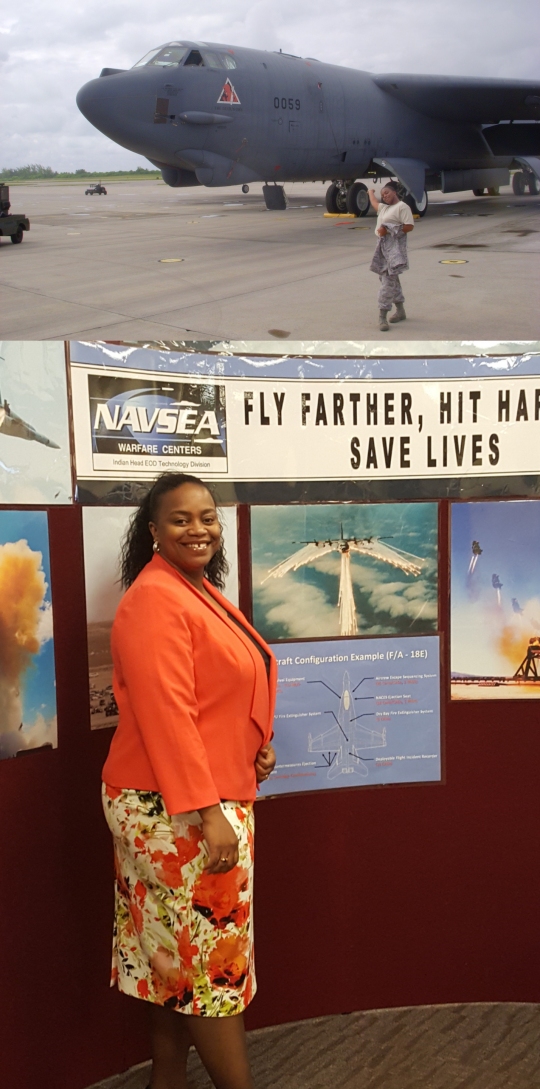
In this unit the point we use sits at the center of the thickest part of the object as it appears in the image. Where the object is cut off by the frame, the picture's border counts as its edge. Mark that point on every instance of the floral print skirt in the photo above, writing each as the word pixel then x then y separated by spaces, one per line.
pixel 183 938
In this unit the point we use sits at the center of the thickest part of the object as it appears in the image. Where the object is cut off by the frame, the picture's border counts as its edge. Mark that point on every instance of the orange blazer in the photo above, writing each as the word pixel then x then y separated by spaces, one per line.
pixel 195 701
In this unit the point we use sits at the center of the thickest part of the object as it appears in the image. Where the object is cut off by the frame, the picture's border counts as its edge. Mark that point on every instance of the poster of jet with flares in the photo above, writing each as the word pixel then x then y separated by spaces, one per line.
pixel 495 600
pixel 344 569
pixel 35 466
pixel 27 674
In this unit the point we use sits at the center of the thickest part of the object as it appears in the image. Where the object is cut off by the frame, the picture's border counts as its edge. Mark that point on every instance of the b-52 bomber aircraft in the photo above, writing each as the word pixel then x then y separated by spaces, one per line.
pixel 215 115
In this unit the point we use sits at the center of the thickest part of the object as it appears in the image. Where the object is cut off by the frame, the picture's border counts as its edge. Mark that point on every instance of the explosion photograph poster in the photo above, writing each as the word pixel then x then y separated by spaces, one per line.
pixel 35 461
pixel 27 673
pixel 344 569
pixel 103 531
pixel 495 600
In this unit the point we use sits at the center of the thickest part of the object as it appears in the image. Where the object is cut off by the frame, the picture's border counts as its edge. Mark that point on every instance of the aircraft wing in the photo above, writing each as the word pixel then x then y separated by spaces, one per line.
pixel 364 738
pixel 457 98
pixel 379 550
pixel 329 739
pixel 306 554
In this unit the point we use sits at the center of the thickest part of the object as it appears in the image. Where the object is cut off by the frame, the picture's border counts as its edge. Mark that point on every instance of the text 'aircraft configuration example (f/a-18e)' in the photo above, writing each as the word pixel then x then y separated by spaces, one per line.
pixel 215 115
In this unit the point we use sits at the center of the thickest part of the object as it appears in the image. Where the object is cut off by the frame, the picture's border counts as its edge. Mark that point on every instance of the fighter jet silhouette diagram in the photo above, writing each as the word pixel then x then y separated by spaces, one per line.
pixel 11 424
pixel 365 546
pixel 342 744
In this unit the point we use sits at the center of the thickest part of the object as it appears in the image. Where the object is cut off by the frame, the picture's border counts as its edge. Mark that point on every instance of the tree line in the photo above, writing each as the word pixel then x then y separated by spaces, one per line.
pixel 34 171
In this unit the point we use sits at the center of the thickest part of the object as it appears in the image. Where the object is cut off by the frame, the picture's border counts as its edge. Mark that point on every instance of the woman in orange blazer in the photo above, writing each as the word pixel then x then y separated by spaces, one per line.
pixel 195 688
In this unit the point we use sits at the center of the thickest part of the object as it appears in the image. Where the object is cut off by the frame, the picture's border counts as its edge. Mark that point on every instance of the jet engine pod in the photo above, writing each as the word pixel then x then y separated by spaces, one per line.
pixel 455 181
pixel 176 177
pixel 216 170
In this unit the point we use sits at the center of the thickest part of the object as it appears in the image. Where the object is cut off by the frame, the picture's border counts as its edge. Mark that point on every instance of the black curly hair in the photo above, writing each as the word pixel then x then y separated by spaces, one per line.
pixel 137 545
pixel 394 185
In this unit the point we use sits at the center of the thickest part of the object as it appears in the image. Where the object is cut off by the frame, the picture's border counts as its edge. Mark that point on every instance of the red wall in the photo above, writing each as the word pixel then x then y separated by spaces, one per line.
pixel 365 898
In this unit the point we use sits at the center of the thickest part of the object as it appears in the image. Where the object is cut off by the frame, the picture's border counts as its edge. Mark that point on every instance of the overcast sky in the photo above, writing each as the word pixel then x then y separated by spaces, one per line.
pixel 49 48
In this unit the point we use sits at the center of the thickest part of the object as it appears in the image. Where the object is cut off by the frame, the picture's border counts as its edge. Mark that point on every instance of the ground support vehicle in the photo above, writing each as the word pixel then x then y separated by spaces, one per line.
pixel 11 226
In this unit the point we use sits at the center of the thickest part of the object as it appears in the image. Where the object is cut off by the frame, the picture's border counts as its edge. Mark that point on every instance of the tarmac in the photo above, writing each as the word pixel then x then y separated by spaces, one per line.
pixel 151 263
pixel 466 1046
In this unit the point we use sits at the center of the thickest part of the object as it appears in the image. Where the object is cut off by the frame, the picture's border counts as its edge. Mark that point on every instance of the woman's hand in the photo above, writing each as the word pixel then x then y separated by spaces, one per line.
pixel 221 840
pixel 265 762
pixel 382 231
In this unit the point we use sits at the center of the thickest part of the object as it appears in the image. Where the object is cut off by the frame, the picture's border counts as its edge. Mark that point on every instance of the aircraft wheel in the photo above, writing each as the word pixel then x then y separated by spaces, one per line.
pixel 479 192
pixel 104 192
pixel 533 185
pixel 336 199
pixel 358 199
pixel 18 236
pixel 493 191
pixel 519 183
pixel 245 188
pixel 418 207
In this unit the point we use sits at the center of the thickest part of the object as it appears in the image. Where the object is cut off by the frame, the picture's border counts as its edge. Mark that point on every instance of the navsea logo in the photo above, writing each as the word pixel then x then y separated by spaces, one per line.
pixel 168 419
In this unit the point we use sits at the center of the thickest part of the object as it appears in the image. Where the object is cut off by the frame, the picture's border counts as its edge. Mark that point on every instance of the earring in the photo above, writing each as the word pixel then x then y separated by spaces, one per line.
pixel 155 546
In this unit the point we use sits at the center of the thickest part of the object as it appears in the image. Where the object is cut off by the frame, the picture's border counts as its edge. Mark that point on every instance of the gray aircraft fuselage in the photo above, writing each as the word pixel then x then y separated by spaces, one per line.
pixel 276 118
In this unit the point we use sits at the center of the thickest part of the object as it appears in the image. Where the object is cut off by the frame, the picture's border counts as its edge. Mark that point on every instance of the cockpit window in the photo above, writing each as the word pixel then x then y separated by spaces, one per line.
pixel 217 60
pixel 194 59
pixel 165 57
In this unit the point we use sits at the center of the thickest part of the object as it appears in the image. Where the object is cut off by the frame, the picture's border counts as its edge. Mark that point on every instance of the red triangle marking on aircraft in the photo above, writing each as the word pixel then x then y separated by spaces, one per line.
pixel 229 94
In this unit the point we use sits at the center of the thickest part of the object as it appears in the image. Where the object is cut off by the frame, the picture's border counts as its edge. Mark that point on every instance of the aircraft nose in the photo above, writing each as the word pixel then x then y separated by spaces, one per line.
pixel 90 100
pixel 119 105
pixel 97 101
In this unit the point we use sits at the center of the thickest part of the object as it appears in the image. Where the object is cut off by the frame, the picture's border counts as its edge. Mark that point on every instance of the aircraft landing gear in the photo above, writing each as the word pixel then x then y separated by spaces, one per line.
pixel 358 199
pixel 245 188
pixel 418 207
pixel 336 198
pixel 523 180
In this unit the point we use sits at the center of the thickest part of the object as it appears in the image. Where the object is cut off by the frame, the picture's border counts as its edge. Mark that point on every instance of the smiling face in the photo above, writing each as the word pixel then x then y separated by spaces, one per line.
pixel 389 196
pixel 187 530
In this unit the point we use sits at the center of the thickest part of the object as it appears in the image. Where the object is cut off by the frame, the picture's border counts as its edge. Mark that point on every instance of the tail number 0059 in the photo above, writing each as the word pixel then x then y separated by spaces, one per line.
pixel 286 103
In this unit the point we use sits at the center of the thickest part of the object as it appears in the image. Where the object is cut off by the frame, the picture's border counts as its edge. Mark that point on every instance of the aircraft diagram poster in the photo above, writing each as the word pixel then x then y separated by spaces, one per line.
pixel 356 712
pixel 27 672
pixel 35 462
pixel 330 569
pixel 103 531
pixel 495 600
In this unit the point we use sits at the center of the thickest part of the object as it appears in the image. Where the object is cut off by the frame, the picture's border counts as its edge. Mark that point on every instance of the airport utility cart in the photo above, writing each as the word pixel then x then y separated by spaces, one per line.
pixel 11 226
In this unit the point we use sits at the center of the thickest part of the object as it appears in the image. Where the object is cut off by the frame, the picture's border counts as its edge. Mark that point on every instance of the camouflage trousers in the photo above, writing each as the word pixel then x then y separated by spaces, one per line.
pixel 390 291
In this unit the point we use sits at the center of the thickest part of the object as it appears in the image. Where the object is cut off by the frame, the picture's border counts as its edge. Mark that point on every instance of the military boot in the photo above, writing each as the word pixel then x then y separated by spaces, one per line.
pixel 400 314
pixel 383 321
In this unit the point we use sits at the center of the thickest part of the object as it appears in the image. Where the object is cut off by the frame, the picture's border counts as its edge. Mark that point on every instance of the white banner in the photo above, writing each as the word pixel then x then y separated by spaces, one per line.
pixel 133 424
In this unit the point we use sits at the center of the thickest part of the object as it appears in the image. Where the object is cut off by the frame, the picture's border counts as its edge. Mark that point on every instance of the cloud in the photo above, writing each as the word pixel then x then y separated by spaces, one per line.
pixel 22 595
pixel 45 623
pixel 382 600
pixel 49 49
pixel 42 731
pixel 301 609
